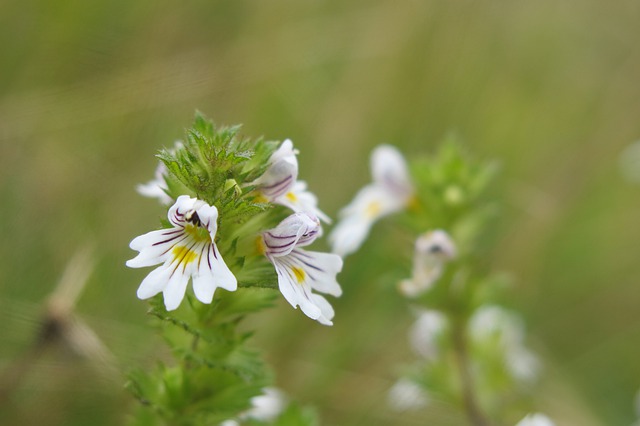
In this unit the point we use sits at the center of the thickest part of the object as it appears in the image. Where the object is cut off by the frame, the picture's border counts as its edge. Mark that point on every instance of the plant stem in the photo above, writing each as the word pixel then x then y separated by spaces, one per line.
pixel 474 414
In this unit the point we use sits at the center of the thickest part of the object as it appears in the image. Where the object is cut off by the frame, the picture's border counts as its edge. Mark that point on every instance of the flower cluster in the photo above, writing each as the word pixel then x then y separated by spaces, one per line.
pixel 221 173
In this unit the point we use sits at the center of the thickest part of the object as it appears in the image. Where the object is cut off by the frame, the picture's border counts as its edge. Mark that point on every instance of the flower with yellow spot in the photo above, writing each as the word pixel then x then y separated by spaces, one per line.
pixel 187 250
pixel 279 183
pixel 391 191
pixel 299 271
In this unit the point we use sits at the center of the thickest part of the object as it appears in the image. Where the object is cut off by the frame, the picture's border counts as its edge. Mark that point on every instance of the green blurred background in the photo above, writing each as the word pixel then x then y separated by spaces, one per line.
pixel 90 90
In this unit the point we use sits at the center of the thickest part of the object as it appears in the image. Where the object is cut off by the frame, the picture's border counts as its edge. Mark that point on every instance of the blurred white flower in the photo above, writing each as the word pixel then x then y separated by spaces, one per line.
pixel 268 406
pixel 187 251
pixel 279 183
pixel 432 250
pixel 535 419
pixel 390 192
pixel 157 187
pixel 495 322
pixel 406 395
pixel 300 271
pixel 264 408
pixel 425 333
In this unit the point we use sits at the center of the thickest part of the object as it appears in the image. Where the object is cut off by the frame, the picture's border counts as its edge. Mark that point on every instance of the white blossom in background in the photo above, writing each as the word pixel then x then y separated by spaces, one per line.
pixel 157 187
pixel 279 184
pixel 187 250
pixel 391 191
pixel 268 406
pixel 432 251
pixel 426 332
pixel 264 408
pixel 496 322
pixel 406 395
pixel 299 271
pixel 535 419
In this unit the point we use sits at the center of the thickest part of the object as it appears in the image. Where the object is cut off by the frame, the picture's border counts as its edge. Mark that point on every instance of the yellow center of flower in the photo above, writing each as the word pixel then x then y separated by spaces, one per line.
pixel 183 255
pixel 299 273
pixel 291 197
pixel 373 209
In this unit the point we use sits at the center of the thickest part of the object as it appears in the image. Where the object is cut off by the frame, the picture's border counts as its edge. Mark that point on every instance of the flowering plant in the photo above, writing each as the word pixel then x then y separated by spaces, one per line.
pixel 237 219
pixel 471 352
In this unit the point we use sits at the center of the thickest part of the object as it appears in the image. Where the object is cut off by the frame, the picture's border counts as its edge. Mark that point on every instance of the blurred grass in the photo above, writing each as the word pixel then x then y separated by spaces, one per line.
pixel 90 90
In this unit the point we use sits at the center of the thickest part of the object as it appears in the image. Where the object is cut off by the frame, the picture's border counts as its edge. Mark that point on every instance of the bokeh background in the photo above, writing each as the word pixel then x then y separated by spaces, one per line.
pixel 90 90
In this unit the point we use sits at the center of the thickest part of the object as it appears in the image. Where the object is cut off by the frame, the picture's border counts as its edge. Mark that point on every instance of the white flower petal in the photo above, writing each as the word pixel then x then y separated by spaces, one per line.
pixel 535 419
pixel 281 173
pixel 299 199
pixel 326 310
pixel 370 204
pixel 224 277
pixel 299 229
pixel 174 291
pixel 425 333
pixel 268 406
pixel 320 270
pixel 293 291
pixel 154 283
pixel 406 395
pixel 389 170
pixel 154 247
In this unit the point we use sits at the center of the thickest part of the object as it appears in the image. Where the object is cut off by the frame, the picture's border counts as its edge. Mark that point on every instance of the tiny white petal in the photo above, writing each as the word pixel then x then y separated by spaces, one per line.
pixel 154 283
pixel 326 310
pixel 298 229
pixel 425 333
pixel 406 395
pixel 535 419
pixel 389 170
pixel 174 291
pixel 153 247
pixel 281 173
pixel 299 199
pixel 268 406
pixel 320 270
pixel 494 321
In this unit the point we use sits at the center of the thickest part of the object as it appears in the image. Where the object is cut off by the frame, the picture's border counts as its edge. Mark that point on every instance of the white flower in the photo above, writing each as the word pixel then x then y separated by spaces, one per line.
pixel 300 271
pixel 495 322
pixel 279 183
pixel 268 406
pixel 535 419
pixel 186 251
pixel 390 192
pixel 157 187
pixel 432 251
pixel 406 395
pixel 264 408
pixel 426 332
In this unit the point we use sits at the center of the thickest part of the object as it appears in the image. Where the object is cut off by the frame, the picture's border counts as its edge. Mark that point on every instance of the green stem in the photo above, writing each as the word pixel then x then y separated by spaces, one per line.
pixel 471 407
